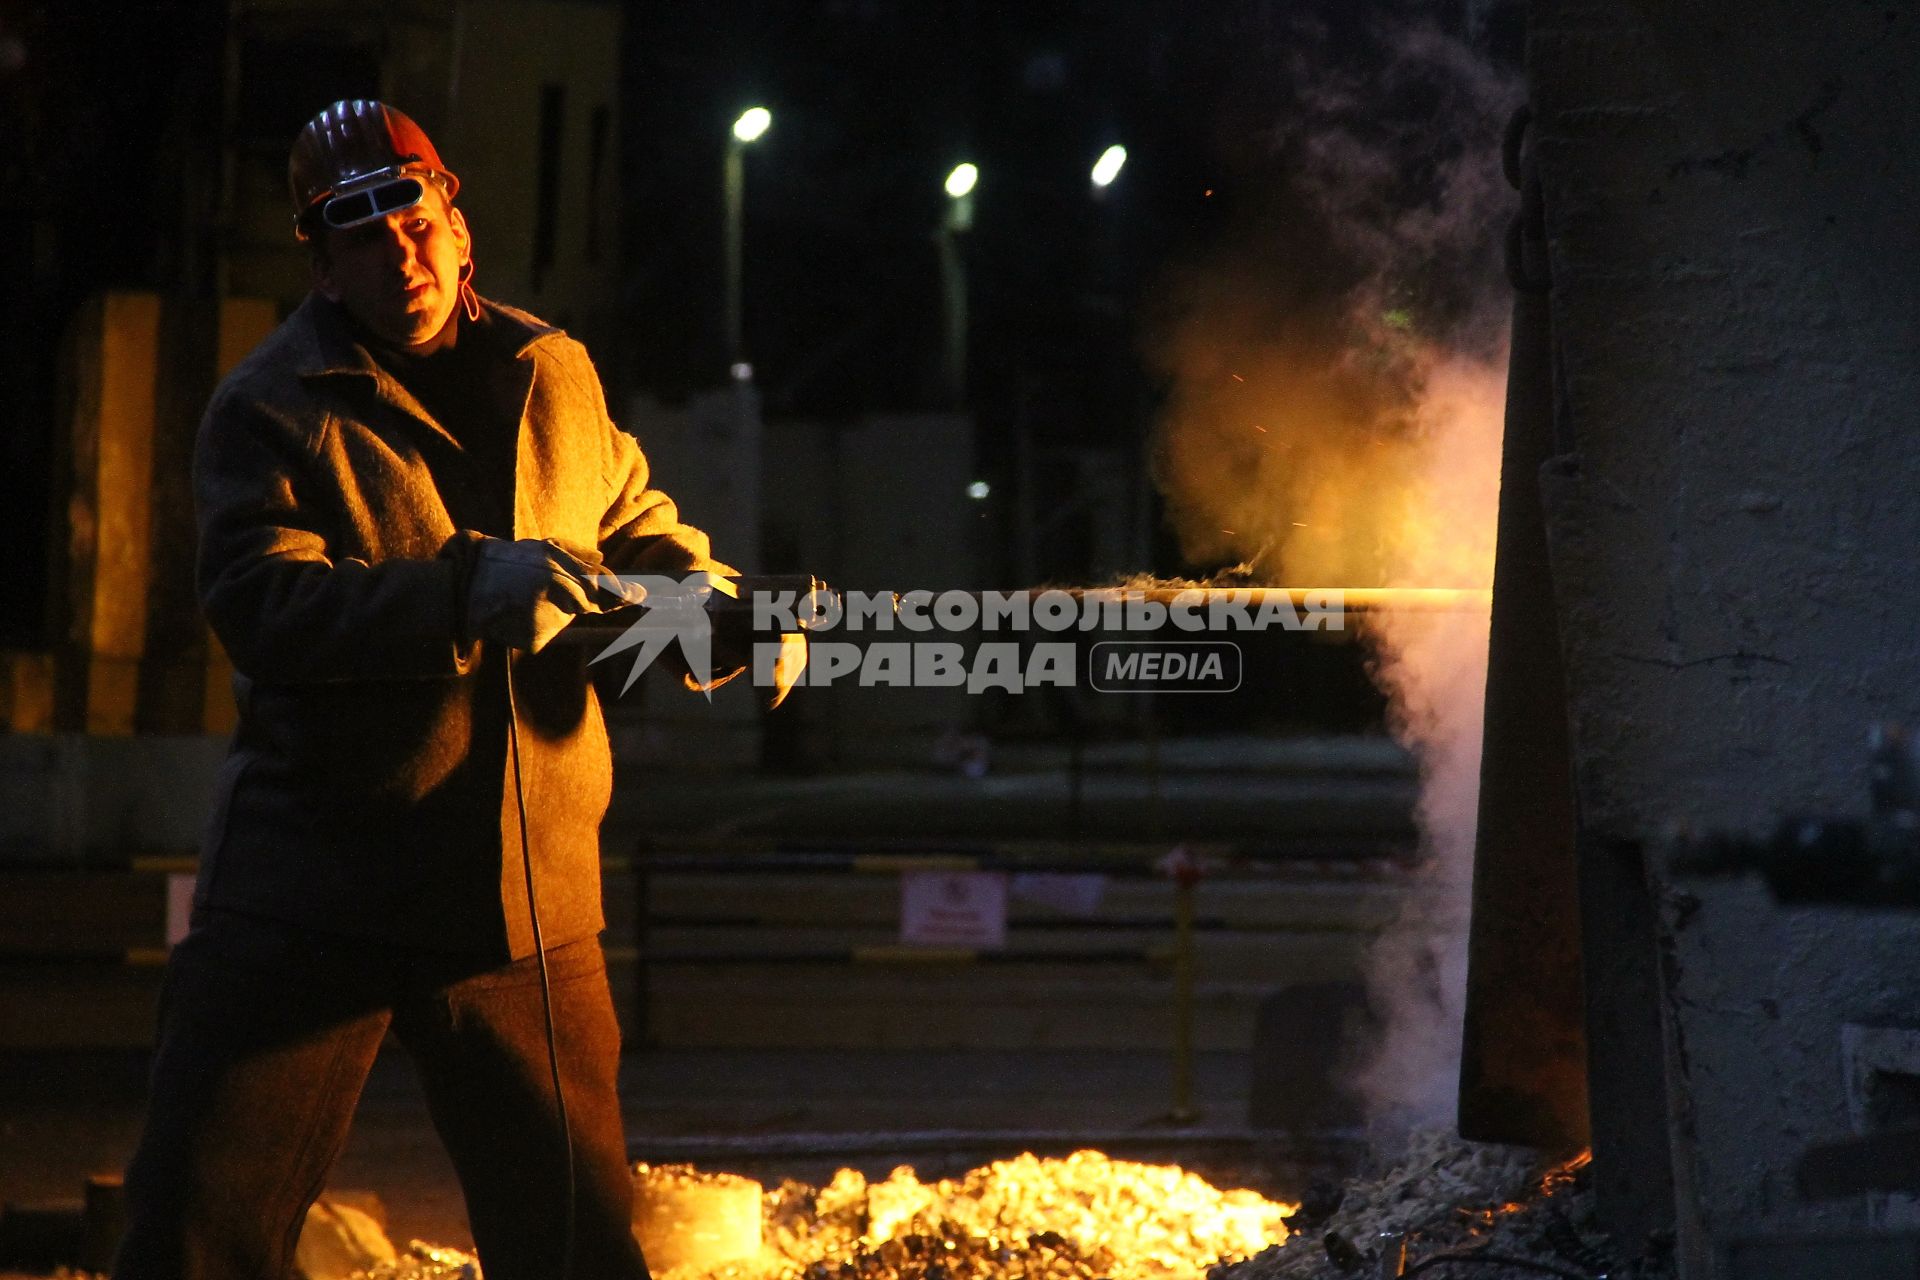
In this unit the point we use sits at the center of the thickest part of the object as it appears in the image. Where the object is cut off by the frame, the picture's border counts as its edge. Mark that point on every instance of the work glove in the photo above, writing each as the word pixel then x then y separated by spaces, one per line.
pixel 777 667
pixel 522 594
pixel 789 663
pixel 737 645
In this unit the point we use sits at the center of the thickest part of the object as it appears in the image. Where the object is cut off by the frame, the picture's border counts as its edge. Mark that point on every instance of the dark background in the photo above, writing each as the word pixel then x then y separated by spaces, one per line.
pixel 111 116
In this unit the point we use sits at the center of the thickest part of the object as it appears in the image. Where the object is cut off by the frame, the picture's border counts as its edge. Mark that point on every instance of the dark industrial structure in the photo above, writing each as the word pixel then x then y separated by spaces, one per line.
pixel 1703 600
pixel 1706 487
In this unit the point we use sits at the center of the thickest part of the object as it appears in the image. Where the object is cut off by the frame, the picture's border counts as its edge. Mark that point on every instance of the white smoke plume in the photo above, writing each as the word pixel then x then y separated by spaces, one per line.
pixel 1337 382
pixel 1433 668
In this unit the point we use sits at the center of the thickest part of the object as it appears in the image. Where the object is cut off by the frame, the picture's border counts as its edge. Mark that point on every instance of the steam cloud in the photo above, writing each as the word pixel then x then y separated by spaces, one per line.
pixel 1337 383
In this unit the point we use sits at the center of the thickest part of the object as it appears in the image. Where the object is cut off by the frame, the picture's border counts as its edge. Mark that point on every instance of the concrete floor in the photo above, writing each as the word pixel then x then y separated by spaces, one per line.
pixel 63 1116
pixel 68 1114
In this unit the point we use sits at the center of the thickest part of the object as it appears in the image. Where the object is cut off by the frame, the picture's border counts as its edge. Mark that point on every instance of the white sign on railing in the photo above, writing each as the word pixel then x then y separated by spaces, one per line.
pixel 954 909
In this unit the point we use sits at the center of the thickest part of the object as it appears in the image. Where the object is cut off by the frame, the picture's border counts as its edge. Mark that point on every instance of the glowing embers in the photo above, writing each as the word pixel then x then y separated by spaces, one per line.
pixel 1020 1219
pixel 1567 1174
pixel 687 1218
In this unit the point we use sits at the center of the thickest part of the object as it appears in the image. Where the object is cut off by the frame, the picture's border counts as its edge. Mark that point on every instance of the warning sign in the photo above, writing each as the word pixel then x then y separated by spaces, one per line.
pixel 953 909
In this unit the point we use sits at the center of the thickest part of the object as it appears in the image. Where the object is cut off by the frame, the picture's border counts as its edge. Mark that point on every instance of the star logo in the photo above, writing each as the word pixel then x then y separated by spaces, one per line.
pixel 675 611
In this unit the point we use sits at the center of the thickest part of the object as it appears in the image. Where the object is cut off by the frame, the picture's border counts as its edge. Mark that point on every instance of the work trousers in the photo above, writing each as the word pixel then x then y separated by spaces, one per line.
pixel 267 1033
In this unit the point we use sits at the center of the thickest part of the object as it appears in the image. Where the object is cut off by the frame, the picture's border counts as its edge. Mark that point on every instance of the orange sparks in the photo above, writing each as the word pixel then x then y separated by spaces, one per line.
pixel 1236 377
pixel 1563 1175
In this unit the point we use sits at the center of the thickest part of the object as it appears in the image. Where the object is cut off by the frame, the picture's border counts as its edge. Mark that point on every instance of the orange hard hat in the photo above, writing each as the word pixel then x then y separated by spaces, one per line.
pixel 359 160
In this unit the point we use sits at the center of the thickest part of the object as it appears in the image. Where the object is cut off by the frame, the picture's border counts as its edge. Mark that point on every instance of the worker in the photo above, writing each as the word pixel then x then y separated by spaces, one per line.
pixel 404 495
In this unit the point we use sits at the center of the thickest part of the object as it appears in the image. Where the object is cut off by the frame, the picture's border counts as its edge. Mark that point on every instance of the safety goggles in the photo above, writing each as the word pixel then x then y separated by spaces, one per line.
pixel 352 208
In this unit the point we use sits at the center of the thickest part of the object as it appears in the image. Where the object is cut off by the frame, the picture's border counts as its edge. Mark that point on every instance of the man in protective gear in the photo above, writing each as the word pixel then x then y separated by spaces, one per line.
pixel 404 494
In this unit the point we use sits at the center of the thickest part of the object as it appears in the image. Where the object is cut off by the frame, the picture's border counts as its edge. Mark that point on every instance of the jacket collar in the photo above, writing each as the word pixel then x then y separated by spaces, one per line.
pixel 328 347
pixel 327 344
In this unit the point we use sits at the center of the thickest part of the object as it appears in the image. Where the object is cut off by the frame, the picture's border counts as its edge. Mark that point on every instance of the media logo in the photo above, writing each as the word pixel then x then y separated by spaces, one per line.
pixel 1170 666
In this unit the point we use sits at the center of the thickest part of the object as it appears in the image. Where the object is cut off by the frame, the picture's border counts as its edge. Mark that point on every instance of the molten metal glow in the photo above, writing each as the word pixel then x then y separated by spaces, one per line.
pixel 1085 1214
pixel 1416 599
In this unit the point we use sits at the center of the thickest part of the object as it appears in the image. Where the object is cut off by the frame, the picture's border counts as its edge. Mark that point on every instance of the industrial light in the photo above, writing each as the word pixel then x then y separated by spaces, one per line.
pixel 979 490
pixel 753 122
pixel 961 180
pixel 1108 166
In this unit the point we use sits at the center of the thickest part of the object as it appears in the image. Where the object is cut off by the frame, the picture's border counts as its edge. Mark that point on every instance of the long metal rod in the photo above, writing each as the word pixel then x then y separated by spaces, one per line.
pixel 1303 600
pixel 1349 598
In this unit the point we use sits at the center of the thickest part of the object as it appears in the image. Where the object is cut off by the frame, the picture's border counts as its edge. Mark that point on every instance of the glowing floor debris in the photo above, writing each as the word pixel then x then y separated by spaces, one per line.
pixel 1084 1215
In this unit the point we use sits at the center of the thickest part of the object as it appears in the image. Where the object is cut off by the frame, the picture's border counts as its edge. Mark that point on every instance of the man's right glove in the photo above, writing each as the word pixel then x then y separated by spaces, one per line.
pixel 523 594
pixel 784 671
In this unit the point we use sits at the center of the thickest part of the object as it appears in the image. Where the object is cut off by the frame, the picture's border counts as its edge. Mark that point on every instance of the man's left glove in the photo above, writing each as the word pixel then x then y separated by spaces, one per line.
pixel 522 594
